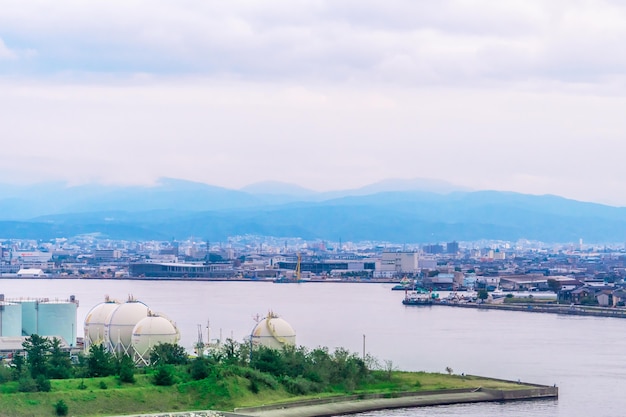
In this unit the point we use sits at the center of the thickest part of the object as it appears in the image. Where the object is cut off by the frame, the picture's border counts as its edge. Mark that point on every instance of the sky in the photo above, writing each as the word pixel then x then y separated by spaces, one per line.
pixel 518 95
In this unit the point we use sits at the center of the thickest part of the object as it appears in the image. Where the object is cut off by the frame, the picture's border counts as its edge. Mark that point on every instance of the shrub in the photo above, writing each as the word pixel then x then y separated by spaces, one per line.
pixel 127 369
pixel 103 385
pixel 163 376
pixel 199 368
pixel 43 384
pixel 300 385
pixel 60 408
pixel 26 384
pixel 259 377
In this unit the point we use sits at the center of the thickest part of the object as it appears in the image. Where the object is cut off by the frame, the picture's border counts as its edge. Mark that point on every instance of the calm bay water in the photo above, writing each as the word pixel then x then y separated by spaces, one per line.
pixel 584 356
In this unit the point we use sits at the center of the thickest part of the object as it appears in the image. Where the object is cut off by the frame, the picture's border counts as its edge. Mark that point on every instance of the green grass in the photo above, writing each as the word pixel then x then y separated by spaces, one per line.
pixel 211 393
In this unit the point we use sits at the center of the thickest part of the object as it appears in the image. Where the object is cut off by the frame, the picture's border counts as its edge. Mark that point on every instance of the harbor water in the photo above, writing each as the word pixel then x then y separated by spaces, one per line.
pixel 584 356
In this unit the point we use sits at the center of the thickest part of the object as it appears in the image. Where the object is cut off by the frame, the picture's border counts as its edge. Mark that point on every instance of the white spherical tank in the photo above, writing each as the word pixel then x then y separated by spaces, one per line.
pixel 151 331
pixel 118 329
pixel 95 322
pixel 273 332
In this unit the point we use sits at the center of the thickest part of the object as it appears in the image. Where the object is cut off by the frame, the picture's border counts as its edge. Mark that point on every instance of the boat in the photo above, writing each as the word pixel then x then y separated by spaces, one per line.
pixel 420 297
pixel 404 285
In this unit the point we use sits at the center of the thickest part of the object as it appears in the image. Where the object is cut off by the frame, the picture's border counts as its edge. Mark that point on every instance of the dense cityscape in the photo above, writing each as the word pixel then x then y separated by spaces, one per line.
pixel 581 273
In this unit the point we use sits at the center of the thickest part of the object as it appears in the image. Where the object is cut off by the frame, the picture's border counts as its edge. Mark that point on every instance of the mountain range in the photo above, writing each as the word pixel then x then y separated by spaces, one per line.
pixel 401 211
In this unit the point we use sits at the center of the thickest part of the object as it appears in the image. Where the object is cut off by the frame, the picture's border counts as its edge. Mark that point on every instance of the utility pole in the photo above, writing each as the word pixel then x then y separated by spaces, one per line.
pixel 363 347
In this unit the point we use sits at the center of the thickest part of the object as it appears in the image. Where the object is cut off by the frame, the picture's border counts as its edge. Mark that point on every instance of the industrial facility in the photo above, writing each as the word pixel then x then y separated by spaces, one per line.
pixel 22 317
pixel 273 332
pixel 129 328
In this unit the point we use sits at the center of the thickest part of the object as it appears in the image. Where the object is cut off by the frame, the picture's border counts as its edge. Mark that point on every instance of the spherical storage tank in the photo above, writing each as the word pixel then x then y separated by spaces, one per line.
pixel 119 325
pixel 96 320
pixel 151 331
pixel 10 319
pixel 273 332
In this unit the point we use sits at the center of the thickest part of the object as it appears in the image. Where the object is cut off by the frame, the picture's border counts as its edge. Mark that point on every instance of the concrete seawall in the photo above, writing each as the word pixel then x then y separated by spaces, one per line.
pixel 351 404
pixel 547 308
pixel 358 404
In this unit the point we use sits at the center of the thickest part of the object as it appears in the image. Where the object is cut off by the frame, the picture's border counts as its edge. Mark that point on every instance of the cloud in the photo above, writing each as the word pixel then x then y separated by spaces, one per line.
pixel 5 52
pixel 523 94
pixel 403 42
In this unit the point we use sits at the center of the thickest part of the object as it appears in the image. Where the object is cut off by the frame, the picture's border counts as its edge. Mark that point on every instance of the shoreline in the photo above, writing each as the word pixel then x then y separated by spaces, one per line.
pixel 575 310
pixel 352 404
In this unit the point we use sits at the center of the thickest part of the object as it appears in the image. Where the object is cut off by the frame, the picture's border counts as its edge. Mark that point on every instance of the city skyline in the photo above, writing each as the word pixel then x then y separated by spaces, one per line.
pixel 515 96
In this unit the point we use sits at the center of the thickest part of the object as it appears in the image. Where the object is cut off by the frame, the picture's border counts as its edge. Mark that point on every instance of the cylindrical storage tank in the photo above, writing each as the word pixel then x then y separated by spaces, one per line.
pixel 118 330
pixel 57 318
pixel 273 332
pixel 95 322
pixel 10 319
pixel 29 317
pixel 151 331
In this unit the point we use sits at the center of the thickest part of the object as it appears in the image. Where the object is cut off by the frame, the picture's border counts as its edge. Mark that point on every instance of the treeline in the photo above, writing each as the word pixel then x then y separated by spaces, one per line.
pixel 44 359
pixel 297 370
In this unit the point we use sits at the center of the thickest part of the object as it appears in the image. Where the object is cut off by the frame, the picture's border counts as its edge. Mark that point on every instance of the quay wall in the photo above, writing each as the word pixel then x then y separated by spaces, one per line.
pixel 551 308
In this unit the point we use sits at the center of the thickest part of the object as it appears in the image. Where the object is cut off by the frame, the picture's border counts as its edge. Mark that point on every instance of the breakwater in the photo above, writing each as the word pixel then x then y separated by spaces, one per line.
pixel 352 404
pixel 572 310
pixel 362 403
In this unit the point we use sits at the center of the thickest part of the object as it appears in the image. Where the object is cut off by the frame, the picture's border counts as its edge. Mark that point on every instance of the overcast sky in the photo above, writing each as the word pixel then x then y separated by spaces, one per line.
pixel 526 95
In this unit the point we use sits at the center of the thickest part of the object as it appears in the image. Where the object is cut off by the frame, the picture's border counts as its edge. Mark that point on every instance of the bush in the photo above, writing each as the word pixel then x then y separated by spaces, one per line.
pixel 253 387
pixel 127 369
pixel 26 384
pixel 43 384
pixel 259 377
pixel 103 385
pixel 300 385
pixel 199 368
pixel 163 376
pixel 60 408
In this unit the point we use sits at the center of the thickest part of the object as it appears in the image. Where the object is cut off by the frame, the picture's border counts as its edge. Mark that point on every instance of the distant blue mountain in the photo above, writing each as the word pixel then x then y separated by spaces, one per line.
pixel 408 212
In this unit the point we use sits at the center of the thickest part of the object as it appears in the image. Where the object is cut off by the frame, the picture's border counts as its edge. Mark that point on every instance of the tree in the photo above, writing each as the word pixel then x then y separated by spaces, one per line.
pixel 199 368
pixel 100 362
pixel 231 351
pixel 164 375
pixel 168 354
pixel 37 351
pixel 18 365
pixel 554 285
pixel 60 408
pixel 389 368
pixel 268 360
pixel 483 295
pixel 126 369
pixel 60 365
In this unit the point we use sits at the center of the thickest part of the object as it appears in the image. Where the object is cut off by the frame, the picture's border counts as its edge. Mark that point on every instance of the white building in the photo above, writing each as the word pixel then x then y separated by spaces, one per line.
pixel 31 258
pixel 397 263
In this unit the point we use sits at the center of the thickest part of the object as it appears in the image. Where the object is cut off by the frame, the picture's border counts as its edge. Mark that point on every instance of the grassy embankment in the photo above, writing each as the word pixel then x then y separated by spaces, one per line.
pixel 107 396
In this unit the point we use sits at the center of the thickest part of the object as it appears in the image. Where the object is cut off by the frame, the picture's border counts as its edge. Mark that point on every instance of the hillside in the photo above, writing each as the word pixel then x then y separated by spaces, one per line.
pixel 180 209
